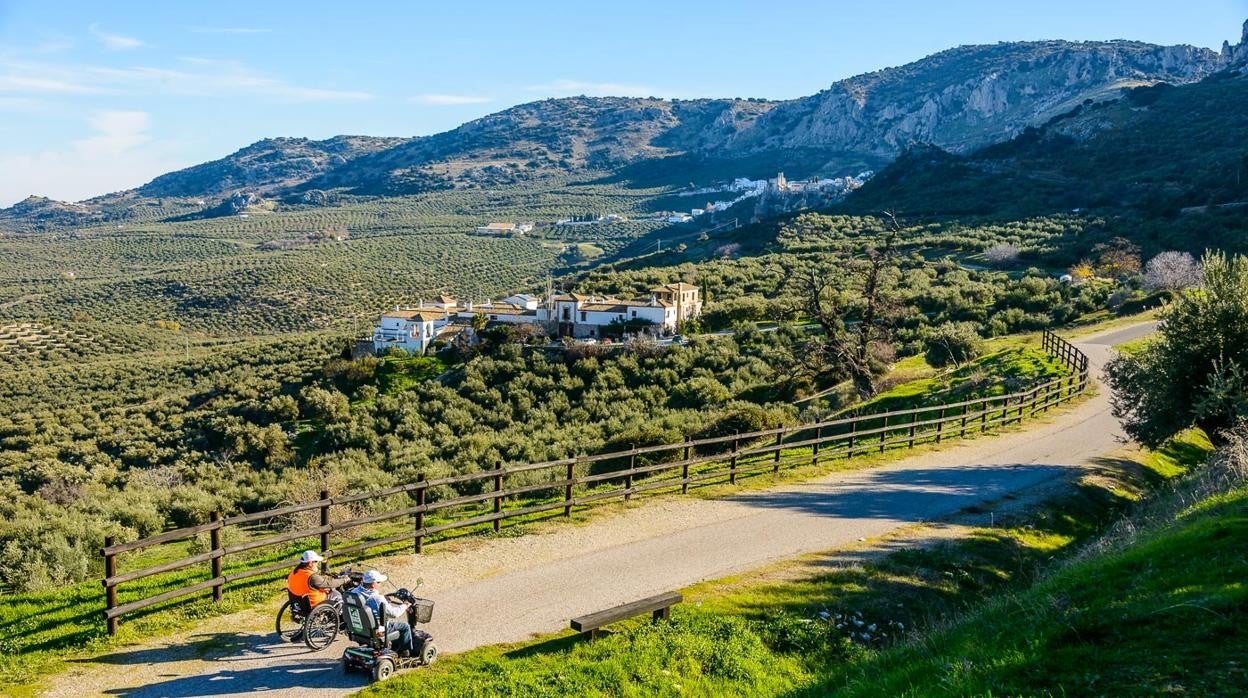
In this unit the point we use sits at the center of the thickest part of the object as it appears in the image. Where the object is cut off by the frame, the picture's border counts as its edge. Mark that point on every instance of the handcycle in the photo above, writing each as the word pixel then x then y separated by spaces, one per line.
pixel 318 625
pixel 373 655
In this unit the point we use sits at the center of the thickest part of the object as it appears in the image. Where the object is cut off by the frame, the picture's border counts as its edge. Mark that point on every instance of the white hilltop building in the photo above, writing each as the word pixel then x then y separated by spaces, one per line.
pixel 569 315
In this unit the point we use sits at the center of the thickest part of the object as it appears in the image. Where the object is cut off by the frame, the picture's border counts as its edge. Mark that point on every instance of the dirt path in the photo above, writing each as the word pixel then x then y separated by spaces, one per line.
pixel 507 589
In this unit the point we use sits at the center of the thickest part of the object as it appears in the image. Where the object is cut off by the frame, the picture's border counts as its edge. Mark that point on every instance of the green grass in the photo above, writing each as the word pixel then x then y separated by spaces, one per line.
pixel 1001 371
pixel 397 374
pixel 761 633
pixel 1164 617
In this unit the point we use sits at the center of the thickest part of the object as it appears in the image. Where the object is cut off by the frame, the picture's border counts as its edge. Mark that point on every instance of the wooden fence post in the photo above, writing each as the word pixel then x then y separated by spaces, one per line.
pixel 324 520
pixel 965 410
pixel 420 513
pixel 914 418
pixel 110 591
pixel 940 424
pixel 684 470
pixel 983 418
pixel 853 429
pixel 567 489
pixel 214 540
pixel 732 465
pixel 498 498
pixel 883 435
pixel 775 460
pixel 628 479
pixel 818 442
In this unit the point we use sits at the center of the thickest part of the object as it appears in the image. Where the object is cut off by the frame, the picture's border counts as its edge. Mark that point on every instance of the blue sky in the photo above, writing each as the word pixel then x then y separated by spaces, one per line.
pixel 101 96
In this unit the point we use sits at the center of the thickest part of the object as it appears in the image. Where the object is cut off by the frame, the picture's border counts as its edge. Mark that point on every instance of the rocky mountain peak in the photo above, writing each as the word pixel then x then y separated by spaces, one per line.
pixel 1236 55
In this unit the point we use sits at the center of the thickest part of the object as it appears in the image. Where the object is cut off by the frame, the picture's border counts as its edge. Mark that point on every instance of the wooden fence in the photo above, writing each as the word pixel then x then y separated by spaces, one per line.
pixel 567 483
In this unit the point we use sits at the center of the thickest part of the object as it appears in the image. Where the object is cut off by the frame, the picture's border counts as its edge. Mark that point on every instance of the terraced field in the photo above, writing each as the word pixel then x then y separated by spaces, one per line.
pixel 297 270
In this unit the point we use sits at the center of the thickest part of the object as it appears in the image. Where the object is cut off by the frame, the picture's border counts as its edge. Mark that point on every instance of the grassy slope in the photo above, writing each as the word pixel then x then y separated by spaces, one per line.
pixel 758 634
pixel 1165 616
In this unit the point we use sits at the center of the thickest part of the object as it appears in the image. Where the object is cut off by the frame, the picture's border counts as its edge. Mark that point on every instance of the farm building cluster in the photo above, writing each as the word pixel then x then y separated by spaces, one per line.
pixel 575 315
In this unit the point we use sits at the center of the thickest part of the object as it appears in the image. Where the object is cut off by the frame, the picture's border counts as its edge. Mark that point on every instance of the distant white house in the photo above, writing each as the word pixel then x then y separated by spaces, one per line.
pixel 524 300
pixel 679 218
pixel 498 228
pixel 571 314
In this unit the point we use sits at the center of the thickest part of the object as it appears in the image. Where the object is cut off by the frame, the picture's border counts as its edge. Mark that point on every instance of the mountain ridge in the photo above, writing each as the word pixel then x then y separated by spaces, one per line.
pixel 959 100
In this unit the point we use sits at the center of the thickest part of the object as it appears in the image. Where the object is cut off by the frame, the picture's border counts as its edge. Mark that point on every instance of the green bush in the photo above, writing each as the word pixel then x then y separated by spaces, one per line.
pixel 1196 372
pixel 953 343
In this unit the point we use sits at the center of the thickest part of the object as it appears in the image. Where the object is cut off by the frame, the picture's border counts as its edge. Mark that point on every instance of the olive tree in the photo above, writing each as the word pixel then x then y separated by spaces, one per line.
pixel 1196 371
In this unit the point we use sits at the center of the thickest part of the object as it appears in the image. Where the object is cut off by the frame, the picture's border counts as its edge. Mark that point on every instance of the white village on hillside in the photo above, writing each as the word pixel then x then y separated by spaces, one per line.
pixel 416 329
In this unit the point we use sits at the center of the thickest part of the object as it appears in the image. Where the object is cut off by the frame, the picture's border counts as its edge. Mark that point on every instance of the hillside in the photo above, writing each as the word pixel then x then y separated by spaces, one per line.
pixel 1163 148
pixel 572 134
pixel 266 164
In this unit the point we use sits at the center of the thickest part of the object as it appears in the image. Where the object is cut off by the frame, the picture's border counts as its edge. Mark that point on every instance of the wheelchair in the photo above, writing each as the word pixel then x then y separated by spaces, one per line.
pixel 374 655
pixel 317 626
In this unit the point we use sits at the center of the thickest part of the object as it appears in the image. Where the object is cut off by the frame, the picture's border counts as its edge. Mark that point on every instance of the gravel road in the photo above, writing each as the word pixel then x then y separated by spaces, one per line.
pixel 508 589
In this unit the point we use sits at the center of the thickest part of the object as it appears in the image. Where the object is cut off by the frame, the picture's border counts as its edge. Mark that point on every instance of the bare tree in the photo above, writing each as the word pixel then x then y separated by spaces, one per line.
pixel 852 344
pixel 1172 270
pixel 1002 254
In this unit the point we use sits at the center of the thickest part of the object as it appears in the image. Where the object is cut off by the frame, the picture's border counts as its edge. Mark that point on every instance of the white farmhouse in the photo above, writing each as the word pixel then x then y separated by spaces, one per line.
pixel 586 316
pixel 572 314
pixel 412 330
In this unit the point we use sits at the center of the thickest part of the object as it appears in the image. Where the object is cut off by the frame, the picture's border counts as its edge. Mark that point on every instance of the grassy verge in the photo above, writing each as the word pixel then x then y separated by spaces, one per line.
pixel 1164 616
pixel 813 626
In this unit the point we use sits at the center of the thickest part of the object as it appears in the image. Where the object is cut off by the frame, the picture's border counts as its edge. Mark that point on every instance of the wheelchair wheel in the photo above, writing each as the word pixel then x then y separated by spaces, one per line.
pixel 320 629
pixel 289 624
pixel 429 654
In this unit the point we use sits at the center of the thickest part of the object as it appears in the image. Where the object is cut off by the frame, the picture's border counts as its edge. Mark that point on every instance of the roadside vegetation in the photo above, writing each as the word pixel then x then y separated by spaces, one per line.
pixel 799 629
pixel 1131 584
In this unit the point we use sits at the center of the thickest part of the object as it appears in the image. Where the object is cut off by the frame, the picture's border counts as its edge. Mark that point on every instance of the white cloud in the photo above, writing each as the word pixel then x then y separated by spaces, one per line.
pixel 214 77
pixel 20 104
pixel 47 82
pixel 593 89
pixel 439 100
pixel 115 42
pixel 200 77
pixel 118 154
pixel 115 133
pixel 229 30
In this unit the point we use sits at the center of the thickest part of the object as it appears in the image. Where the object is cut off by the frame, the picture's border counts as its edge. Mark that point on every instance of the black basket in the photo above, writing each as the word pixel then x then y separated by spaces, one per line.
pixel 422 609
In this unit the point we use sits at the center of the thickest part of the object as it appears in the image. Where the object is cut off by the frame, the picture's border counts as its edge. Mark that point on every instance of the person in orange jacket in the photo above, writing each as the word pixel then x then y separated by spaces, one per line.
pixel 300 583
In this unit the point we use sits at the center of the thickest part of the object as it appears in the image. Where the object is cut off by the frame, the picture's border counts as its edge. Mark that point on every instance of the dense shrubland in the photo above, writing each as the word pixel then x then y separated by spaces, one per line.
pixel 128 446
pixel 938 276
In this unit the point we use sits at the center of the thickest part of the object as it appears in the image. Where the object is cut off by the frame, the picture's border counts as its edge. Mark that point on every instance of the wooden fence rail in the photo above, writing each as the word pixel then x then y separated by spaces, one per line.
pixel 675 466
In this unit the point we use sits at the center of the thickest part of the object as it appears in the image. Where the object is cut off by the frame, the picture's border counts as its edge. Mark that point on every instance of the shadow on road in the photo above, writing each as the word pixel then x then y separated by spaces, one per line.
pixel 288 666
pixel 908 494
pixel 324 673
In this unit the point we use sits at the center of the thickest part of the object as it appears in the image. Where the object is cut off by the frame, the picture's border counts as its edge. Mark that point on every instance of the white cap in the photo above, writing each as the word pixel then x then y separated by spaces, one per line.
pixel 310 556
pixel 373 576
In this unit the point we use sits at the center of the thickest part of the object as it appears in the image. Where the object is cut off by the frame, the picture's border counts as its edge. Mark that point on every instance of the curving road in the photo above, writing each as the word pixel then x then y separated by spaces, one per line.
pixel 507 589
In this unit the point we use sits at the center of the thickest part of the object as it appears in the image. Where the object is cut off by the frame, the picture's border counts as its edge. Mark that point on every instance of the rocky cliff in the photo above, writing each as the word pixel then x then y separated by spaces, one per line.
pixel 970 96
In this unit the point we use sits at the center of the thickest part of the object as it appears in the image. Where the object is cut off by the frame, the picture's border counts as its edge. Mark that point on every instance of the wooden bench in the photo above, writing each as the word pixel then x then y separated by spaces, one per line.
pixel 660 605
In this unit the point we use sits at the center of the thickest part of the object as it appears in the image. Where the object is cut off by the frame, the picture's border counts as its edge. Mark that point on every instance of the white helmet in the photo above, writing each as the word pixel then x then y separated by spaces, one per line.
pixel 373 576
pixel 310 556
